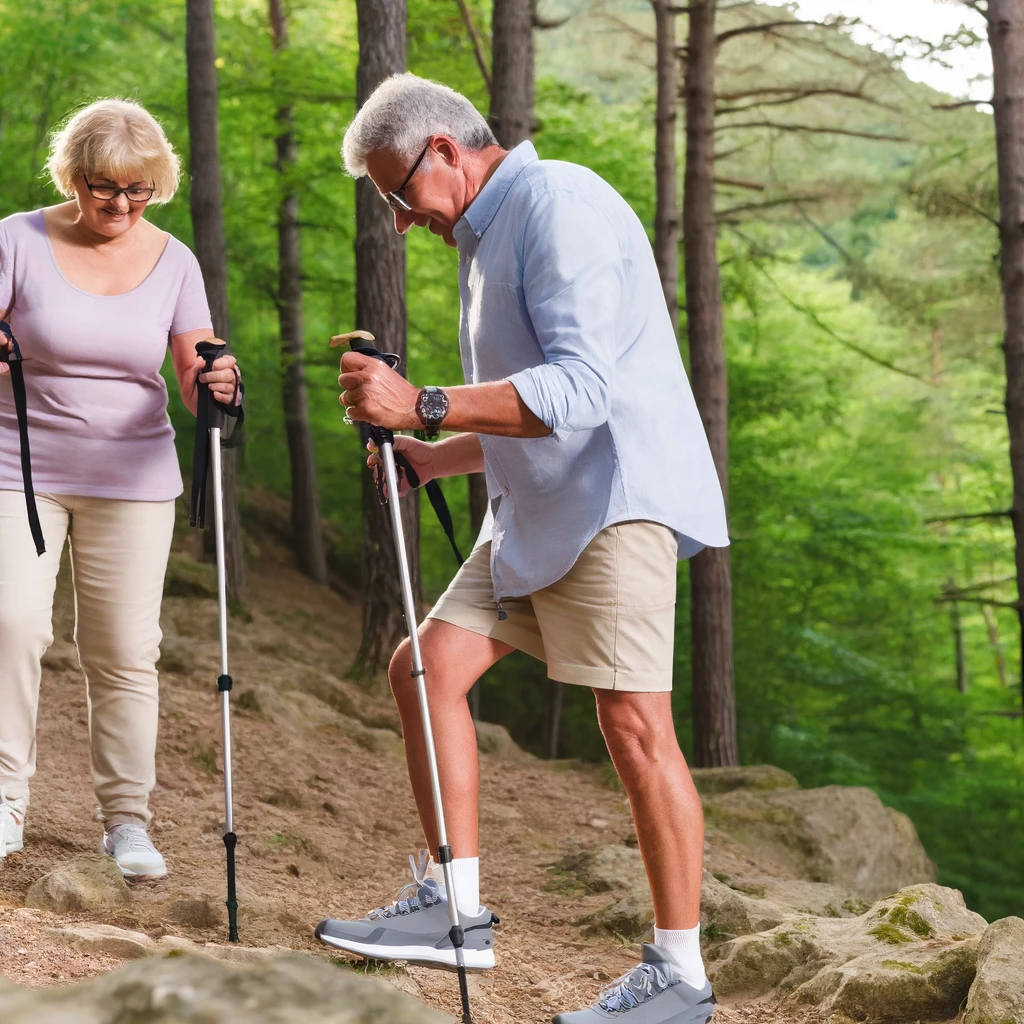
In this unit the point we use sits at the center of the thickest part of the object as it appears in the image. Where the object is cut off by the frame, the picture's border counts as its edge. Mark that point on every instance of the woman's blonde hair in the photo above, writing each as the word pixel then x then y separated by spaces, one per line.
pixel 118 139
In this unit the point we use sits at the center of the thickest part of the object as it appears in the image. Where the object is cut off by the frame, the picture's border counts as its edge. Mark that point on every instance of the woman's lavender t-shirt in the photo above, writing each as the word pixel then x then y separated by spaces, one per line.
pixel 97 404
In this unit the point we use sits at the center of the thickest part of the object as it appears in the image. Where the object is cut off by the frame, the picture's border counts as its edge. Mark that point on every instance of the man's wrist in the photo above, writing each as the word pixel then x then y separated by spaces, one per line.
pixel 432 407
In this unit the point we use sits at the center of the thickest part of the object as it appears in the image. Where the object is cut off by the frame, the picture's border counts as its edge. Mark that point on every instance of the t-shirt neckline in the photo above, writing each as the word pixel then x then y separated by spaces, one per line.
pixel 82 291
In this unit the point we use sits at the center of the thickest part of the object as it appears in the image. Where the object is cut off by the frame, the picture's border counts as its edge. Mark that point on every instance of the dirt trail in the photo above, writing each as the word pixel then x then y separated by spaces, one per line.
pixel 322 808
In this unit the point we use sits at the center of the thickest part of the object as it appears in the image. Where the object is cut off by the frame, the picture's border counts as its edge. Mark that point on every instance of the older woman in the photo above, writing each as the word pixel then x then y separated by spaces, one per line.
pixel 93 293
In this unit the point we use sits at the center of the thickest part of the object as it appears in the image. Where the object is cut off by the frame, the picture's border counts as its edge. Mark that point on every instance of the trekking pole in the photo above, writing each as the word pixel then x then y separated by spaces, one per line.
pixel 210 420
pixel 384 439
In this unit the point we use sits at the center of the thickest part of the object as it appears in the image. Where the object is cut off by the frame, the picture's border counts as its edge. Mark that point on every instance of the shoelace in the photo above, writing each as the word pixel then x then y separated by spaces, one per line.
pixel 402 906
pixel 644 982
pixel 133 836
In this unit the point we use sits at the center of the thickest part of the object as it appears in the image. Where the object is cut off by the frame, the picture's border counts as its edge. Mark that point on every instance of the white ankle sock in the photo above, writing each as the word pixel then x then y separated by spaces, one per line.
pixel 466 878
pixel 683 946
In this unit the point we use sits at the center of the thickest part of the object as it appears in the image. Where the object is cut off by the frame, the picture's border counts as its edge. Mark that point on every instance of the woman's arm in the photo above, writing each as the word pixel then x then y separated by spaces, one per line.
pixel 223 379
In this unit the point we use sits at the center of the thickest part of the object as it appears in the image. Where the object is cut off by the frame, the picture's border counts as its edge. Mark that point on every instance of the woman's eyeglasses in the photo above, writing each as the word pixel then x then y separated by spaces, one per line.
pixel 396 199
pixel 134 193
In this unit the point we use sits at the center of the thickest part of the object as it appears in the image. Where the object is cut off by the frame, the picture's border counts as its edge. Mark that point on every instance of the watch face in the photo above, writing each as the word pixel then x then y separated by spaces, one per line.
pixel 434 406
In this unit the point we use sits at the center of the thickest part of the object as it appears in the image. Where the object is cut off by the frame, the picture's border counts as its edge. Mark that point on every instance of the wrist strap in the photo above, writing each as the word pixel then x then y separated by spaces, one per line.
pixel 14 362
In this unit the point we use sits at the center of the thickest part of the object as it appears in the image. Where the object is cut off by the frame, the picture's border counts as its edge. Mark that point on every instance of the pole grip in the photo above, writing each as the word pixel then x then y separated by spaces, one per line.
pixel 230 839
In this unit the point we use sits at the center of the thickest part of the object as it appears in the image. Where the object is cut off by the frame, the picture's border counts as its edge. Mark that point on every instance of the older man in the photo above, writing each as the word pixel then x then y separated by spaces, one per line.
pixel 577 407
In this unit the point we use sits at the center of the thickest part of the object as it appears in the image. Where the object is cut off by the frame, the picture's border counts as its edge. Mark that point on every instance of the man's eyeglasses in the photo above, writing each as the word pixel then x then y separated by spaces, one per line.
pixel 135 193
pixel 396 199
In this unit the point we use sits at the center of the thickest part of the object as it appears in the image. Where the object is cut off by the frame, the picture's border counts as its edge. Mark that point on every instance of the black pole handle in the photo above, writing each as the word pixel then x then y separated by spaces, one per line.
pixel 380 435
pixel 209 414
pixel 210 352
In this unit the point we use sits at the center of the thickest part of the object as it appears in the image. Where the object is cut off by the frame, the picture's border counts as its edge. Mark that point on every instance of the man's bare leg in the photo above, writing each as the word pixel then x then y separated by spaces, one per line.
pixel 454 658
pixel 641 739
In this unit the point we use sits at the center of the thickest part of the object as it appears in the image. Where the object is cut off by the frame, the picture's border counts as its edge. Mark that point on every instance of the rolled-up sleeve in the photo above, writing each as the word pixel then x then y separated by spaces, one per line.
pixel 573 278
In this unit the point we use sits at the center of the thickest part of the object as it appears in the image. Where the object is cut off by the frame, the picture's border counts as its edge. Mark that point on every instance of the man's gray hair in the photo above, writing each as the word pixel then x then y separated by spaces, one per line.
pixel 403 112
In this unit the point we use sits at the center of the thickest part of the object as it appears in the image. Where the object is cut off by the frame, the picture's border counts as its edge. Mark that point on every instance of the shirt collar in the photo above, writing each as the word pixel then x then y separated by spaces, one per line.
pixel 482 210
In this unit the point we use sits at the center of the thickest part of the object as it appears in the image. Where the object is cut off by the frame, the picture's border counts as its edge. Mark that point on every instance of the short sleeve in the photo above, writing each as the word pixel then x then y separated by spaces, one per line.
pixel 6 272
pixel 191 311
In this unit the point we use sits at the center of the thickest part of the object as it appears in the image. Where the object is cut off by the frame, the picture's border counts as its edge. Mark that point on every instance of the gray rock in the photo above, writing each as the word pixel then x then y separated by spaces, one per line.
pixel 183 989
pixel 609 869
pixel 818 898
pixel 840 835
pixel 726 910
pixel 760 777
pixel 86 883
pixel 911 957
pixel 197 912
pixel 997 995
pixel 494 740
pixel 104 938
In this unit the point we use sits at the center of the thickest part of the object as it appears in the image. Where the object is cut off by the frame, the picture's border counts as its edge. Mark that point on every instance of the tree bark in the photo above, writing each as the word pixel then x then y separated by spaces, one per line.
pixel 511 116
pixel 208 233
pixel 996 644
pixel 714 702
pixel 307 532
pixel 380 308
pixel 666 174
pixel 1006 36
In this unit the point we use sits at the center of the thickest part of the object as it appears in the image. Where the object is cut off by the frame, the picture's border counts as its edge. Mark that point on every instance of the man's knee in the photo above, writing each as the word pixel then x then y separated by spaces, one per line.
pixel 637 730
pixel 400 672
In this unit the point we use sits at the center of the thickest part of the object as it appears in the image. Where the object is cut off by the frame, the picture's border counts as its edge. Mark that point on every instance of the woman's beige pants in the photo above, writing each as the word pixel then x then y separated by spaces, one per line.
pixel 119 555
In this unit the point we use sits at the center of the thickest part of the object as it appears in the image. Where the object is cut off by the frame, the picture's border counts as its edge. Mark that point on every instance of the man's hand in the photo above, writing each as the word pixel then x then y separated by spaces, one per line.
pixel 422 457
pixel 372 392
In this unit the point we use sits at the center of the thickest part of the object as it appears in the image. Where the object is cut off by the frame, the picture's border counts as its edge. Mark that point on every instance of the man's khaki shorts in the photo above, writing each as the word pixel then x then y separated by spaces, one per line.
pixel 609 623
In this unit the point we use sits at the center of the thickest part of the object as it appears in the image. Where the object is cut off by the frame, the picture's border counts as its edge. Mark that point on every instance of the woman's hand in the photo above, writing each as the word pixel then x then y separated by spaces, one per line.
pixel 224 380
pixel 421 456
pixel 6 345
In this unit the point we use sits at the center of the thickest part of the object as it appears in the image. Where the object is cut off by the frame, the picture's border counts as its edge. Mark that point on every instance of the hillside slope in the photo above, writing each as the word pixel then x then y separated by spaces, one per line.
pixel 322 808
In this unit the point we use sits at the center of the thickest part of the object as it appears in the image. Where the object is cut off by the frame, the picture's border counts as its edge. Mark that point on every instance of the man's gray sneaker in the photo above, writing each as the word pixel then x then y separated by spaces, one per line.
pixel 415 927
pixel 652 993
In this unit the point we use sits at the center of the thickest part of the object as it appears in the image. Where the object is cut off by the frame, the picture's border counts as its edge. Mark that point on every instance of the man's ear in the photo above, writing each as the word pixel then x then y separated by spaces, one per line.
pixel 448 150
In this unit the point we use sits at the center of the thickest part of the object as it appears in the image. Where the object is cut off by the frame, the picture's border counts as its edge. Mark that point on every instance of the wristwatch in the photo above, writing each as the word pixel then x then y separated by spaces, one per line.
pixel 431 408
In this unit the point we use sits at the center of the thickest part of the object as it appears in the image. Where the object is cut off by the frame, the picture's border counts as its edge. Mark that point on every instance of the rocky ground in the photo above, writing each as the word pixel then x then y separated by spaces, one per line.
pixel 794 920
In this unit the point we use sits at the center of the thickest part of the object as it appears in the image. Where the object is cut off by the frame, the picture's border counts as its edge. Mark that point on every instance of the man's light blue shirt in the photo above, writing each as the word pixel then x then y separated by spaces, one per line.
pixel 561 295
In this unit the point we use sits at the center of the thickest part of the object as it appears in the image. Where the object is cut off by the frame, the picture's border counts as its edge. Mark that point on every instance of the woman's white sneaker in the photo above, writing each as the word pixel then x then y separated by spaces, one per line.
pixel 133 851
pixel 12 824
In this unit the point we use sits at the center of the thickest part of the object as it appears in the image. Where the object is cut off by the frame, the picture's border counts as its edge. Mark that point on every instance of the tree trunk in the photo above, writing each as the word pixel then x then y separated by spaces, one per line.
pixel 512 71
pixel 380 308
pixel 208 233
pixel 666 209
pixel 556 693
pixel 1006 35
pixel 956 623
pixel 714 702
pixel 307 532
pixel 996 644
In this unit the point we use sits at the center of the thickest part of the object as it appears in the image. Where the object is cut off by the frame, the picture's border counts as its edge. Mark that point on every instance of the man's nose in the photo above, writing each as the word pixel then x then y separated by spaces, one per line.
pixel 403 221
